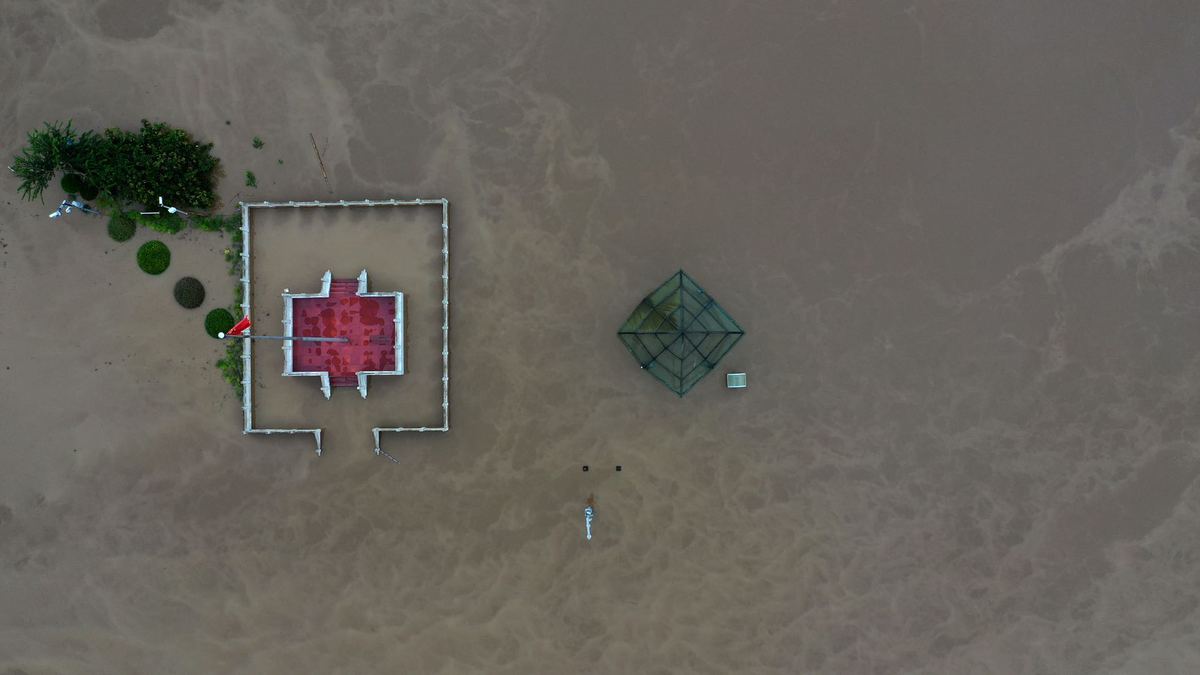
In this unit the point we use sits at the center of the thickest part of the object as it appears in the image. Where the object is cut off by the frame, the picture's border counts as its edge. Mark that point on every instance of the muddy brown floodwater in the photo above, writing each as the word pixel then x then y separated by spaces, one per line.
pixel 962 238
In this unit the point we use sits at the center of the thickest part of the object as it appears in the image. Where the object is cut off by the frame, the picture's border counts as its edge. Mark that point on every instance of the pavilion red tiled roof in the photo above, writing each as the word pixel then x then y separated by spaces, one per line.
pixel 368 322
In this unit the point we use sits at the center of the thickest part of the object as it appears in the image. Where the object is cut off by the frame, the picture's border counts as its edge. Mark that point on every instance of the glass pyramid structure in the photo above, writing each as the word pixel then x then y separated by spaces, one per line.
pixel 679 333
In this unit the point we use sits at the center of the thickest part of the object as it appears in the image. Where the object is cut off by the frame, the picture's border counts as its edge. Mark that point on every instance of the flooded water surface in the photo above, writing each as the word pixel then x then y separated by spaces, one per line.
pixel 961 237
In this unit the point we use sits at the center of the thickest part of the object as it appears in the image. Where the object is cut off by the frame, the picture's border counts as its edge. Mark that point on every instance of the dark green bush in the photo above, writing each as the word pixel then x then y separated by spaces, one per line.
pixel 88 191
pixel 157 160
pixel 154 257
pixel 251 179
pixel 121 226
pixel 72 184
pixel 218 321
pixel 189 292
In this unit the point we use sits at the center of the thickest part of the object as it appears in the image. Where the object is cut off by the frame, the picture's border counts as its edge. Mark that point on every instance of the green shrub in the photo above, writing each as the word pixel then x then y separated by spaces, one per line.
pixel 218 321
pixel 233 254
pixel 257 143
pixel 218 223
pixel 251 179
pixel 167 223
pixel 214 223
pixel 88 191
pixel 154 257
pixel 189 292
pixel 121 226
pixel 72 184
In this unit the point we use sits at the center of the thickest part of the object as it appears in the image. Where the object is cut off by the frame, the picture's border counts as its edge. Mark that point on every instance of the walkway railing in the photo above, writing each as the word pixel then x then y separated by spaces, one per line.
pixel 247 348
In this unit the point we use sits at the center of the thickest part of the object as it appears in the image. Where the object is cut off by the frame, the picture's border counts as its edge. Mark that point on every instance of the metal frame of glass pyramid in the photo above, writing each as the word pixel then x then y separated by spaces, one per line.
pixel 679 333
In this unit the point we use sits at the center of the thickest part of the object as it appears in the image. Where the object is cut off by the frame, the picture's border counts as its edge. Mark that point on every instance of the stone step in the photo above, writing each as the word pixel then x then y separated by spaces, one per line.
pixel 343 287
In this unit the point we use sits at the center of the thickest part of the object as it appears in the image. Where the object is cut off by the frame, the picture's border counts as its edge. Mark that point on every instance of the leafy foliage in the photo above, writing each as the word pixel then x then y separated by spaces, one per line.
pixel 89 191
pixel 218 321
pixel 257 143
pixel 131 167
pixel 233 255
pixel 167 223
pixel 217 223
pixel 154 257
pixel 231 366
pixel 121 226
pixel 251 179
pixel 47 150
pixel 189 292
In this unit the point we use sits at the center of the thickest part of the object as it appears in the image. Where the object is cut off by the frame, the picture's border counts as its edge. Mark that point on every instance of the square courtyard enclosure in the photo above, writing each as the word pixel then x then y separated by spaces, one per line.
pixel 403 245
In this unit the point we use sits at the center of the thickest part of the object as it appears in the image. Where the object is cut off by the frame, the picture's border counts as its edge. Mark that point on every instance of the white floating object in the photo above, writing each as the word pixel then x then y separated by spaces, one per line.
pixel 735 380
pixel 588 514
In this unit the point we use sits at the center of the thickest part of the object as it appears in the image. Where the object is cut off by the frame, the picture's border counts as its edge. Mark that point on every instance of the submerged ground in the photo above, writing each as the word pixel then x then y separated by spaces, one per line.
pixel 961 237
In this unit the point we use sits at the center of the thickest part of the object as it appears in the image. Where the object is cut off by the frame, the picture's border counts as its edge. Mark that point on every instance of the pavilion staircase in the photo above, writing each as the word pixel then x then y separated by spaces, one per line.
pixel 343 287
pixel 343 381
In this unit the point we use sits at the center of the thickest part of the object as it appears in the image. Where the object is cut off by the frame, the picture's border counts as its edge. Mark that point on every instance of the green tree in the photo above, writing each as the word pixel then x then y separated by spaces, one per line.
pixel 126 167
pixel 46 151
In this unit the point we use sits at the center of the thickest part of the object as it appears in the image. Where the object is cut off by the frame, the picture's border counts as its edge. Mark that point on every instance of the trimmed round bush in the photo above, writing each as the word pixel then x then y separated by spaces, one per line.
pixel 154 257
pixel 121 226
pixel 71 183
pixel 189 292
pixel 88 191
pixel 218 321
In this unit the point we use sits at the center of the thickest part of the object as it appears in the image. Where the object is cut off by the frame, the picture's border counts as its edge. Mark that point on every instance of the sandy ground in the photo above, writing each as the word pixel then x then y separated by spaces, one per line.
pixel 961 236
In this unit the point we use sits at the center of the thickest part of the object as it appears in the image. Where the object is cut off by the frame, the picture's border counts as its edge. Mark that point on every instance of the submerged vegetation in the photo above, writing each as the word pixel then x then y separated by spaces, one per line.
pixel 251 179
pixel 257 143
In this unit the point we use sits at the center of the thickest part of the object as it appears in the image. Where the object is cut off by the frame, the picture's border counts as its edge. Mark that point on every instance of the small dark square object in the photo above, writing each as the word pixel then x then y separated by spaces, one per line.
pixel 618 467
pixel 585 467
